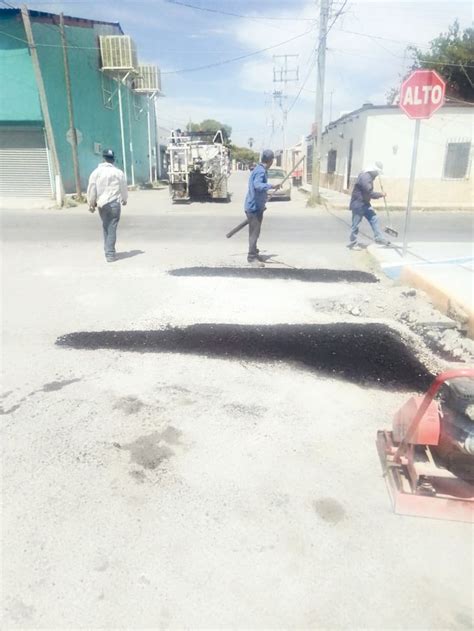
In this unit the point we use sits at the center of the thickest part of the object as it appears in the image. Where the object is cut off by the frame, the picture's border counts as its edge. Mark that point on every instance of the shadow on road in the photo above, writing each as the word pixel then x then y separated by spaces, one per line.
pixel 128 255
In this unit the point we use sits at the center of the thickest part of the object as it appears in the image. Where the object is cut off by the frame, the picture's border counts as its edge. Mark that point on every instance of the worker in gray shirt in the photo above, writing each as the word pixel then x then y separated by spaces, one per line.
pixel 107 190
pixel 362 194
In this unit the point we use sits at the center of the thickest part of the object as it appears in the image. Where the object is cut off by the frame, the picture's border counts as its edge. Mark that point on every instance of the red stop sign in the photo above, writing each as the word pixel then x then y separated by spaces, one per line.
pixel 422 94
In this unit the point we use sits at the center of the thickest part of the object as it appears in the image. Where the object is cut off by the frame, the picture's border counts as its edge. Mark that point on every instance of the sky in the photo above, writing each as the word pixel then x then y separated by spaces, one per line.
pixel 366 55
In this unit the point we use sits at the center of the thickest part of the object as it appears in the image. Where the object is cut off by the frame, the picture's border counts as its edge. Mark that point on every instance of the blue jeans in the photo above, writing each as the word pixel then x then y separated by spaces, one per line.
pixel 371 216
pixel 110 215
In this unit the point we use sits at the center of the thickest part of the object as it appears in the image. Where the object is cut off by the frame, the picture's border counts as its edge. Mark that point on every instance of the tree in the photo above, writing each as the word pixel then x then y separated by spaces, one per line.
pixel 242 154
pixel 451 54
pixel 211 125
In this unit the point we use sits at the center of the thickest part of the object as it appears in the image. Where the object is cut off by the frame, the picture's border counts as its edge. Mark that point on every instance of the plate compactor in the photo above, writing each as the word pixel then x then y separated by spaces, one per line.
pixel 428 457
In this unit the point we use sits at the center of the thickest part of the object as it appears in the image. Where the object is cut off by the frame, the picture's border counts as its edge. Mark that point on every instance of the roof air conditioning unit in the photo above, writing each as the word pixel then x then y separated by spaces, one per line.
pixel 148 79
pixel 118 53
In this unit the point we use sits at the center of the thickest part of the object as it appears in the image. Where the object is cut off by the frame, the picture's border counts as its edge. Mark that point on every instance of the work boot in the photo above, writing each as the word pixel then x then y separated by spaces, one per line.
pixel 354 246
pixel 256 262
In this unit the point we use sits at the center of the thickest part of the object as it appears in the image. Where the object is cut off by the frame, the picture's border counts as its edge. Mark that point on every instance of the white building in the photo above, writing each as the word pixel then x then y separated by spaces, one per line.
pixel 384 133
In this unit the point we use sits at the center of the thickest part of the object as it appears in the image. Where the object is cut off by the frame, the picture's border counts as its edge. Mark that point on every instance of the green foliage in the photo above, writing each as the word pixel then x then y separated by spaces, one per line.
pixel 210 125
pixel 243 154
pixel 451 54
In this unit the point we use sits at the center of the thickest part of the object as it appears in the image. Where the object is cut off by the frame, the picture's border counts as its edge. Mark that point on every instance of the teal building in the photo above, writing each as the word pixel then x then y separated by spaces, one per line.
pixel 27 165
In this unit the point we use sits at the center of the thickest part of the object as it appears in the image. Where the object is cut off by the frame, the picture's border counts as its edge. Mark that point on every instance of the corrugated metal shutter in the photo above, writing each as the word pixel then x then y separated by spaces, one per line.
pixel 24 166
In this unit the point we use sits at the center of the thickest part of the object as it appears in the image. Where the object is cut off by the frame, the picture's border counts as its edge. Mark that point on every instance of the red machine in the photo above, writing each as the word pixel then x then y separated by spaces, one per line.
pixel 428 457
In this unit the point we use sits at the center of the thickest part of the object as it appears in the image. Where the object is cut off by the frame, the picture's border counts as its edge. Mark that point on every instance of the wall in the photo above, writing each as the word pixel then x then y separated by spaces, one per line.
pixel 338 138
pixel 386 134
pixel 19 100
pixel 96 122
pixel 389 138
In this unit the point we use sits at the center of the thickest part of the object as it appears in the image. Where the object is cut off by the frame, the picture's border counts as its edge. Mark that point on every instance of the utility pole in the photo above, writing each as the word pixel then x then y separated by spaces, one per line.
pixel 319 109
pixel 67 77
pixel 283 73
pixel 44 104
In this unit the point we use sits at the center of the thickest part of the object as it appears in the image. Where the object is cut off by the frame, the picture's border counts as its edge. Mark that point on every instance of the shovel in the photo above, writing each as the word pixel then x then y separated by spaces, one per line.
pixel 389 229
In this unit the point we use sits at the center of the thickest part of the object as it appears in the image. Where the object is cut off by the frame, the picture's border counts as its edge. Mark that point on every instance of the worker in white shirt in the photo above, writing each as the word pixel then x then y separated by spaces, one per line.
pixel 107 190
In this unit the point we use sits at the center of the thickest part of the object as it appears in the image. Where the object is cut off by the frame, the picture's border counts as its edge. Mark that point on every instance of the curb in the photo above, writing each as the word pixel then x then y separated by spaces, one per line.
pixel 412 274
pixel 441 298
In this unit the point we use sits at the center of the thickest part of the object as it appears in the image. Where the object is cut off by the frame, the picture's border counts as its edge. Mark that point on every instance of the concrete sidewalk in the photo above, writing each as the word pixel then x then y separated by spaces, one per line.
pixel 335 199
pixel 443 270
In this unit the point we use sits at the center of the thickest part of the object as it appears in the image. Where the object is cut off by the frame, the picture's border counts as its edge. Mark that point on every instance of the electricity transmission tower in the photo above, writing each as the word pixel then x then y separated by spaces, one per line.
pixel 285 70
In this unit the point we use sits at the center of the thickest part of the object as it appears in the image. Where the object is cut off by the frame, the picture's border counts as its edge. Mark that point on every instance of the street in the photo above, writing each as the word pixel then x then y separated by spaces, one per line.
pixel 179 459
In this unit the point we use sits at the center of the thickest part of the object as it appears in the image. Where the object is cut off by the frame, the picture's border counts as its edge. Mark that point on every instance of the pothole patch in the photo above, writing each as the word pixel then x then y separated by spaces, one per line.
pixel 362 353
pixel 304 275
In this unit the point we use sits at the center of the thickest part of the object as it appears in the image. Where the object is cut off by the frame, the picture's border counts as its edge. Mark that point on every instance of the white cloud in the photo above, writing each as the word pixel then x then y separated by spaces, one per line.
pixel 177 112
pixel 360 67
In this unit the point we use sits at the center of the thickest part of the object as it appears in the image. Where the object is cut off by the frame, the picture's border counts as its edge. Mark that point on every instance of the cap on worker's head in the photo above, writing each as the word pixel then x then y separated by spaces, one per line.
pixel 375 167
pixel 108 154
pixel 267 155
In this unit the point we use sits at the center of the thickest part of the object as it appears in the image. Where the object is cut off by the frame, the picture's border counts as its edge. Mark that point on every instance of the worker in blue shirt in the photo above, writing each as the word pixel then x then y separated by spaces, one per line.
pixel 255 204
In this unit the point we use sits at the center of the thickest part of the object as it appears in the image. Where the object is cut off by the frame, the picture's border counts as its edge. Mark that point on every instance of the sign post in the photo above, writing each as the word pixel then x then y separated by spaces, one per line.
pixel 421 95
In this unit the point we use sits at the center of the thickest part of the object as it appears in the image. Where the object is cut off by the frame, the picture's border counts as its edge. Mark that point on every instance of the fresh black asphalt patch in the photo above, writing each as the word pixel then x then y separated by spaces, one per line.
pixel 360 353
pixel 304 275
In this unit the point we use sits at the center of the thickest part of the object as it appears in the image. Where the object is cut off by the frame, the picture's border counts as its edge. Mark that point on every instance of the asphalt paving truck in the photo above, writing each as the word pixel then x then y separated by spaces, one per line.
pixel 198 166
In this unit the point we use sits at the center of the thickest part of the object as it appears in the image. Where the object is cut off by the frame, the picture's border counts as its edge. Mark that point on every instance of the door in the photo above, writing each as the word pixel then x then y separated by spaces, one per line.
pixel 24 165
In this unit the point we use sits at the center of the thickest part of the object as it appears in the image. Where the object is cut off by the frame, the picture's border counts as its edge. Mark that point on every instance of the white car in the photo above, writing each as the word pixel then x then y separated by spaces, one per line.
pixel 275 176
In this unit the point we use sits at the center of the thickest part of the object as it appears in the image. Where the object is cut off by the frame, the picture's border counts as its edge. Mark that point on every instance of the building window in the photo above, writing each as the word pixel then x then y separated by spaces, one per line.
pixel 456 162
pixel 332 159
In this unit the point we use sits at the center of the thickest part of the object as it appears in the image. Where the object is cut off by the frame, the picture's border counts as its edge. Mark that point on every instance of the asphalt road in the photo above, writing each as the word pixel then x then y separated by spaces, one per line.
pixel 227 477
pixel 209 222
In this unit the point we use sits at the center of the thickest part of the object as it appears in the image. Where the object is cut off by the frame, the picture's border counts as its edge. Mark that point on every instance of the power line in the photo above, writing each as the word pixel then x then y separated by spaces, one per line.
pixel 386 39
pixel 338 14
pixel 237 15
pixel 181 70
pixel 187 5
pixel 310 69
pixel 239 58
pixel 345 51
pixel 377 37
pixel 334 50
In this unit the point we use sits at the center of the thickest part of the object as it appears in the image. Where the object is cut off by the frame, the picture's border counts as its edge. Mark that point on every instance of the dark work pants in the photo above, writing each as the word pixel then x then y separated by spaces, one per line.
pixel 110 215
pixel 255 225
